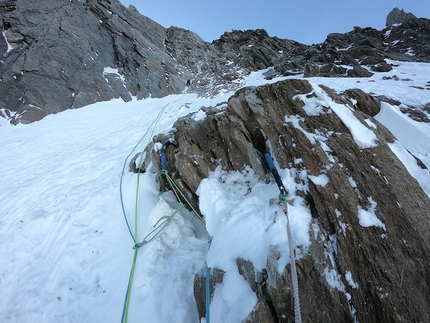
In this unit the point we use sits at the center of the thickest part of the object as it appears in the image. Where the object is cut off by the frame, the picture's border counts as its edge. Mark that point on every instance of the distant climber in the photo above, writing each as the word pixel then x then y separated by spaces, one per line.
pixel 188 82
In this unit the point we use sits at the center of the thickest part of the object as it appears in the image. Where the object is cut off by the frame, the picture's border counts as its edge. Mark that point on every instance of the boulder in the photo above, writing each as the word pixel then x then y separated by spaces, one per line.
pixel 335 70
pixel 381 67
pixel 364 102
pixel 325 70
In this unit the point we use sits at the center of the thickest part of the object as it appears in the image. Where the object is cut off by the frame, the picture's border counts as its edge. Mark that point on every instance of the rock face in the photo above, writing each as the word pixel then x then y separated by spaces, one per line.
pixel 221 64
pixel 59 55
pixel 68 54
pixel 362 51
pixel 388 263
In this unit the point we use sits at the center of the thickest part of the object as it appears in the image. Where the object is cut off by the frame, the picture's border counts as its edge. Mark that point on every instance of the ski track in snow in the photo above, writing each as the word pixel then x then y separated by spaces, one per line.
pixel 66 251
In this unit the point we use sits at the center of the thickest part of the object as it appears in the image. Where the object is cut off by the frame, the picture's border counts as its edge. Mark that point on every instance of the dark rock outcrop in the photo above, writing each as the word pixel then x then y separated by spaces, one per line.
pixel 210 69
pixel 361 51
pixel 254 49
pixel 222 63
pixel 388 263
pixel 407 39
pixel 364 102
pixel 68 54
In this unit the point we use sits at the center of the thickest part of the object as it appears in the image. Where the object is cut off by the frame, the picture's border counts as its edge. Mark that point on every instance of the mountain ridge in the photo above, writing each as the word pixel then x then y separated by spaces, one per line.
pixel 89 51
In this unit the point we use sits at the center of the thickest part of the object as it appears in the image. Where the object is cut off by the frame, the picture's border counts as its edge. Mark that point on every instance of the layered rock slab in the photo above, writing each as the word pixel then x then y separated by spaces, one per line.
pixel 381 270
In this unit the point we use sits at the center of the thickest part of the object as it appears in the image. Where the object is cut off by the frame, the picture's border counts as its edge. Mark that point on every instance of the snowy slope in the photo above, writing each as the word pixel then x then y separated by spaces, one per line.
pixel 66 250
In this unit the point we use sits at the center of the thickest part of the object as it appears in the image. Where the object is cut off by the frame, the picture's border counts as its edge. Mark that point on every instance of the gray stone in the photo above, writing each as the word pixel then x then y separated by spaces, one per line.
pixel 381 67
pixel 216 277
pixel 384 98
pixel 416 114
pixel 326 70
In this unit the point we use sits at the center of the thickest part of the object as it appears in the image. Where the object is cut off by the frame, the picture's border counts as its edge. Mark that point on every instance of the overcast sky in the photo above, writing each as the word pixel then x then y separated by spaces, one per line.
pixel 306 21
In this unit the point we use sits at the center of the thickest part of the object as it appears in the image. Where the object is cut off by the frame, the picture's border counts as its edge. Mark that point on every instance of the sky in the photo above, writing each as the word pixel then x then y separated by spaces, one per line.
pixel 306 21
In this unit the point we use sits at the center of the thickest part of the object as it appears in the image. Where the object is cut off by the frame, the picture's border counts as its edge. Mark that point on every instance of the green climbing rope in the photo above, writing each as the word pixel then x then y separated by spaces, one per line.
pixel 136 238
pixel 178 193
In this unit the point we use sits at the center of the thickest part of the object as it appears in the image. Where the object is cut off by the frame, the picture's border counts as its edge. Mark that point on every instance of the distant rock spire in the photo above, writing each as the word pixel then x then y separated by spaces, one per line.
pixel 397 16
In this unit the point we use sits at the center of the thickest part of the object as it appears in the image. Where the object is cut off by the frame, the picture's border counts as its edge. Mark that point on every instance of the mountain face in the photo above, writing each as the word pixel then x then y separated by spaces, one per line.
pixel 60 55
pixel 67 54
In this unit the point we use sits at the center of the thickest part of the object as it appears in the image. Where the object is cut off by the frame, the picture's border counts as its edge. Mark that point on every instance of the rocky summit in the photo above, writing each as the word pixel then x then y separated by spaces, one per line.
pixel 59 55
